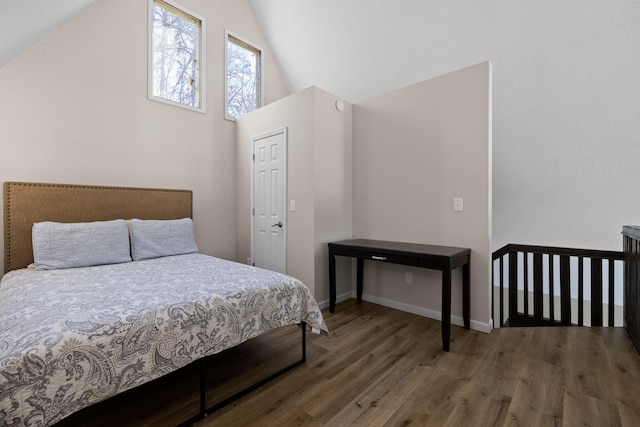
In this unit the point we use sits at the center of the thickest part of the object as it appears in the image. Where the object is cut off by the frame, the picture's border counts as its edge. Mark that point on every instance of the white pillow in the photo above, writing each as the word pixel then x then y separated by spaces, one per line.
pixel 59 245
pixel 158 238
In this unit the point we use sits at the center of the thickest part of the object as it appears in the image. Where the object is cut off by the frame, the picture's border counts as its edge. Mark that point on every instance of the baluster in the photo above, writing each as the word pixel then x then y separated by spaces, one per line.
pixel 596 292
pixel 565 290
pixel 552 297
pixel 526 283
pixel 513 285
pixel 612 303
pixel 538 307
pixel 580 291
pixel 502 290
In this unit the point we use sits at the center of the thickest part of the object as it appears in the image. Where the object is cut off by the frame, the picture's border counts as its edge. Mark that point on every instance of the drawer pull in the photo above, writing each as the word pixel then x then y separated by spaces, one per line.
pixel 379 258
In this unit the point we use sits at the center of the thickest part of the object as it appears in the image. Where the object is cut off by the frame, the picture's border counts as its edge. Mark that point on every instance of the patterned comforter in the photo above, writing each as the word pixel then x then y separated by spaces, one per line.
pixel 71 338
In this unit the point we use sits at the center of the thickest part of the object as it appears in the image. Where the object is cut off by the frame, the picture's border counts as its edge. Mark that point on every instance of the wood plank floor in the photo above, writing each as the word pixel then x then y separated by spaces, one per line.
pixel 384 367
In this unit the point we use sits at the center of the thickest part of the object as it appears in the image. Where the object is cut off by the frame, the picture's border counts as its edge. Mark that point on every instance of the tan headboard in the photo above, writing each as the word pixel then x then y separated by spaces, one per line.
pixel 26 203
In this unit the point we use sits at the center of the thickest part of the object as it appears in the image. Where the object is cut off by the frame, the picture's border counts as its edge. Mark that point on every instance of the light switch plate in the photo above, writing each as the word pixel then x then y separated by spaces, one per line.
pixel 292 205
pixel 457 204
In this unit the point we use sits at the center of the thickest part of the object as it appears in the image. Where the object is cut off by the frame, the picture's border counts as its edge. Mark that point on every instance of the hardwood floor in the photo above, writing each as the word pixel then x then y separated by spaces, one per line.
pixel 384 367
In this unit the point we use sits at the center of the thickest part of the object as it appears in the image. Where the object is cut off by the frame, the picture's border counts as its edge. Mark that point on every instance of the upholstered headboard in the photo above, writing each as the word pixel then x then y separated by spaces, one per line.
pixel 26 203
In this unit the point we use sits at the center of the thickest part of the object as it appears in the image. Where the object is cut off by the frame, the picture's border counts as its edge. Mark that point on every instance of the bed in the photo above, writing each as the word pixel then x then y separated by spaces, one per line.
pixel 74 333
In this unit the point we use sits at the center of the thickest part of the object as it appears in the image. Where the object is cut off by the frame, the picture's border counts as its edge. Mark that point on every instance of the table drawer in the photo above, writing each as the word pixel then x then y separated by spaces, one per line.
pixel 393 258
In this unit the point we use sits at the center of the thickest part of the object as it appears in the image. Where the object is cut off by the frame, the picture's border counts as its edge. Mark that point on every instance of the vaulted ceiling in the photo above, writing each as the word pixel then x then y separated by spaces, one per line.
pixel 24 22
pixel 362 48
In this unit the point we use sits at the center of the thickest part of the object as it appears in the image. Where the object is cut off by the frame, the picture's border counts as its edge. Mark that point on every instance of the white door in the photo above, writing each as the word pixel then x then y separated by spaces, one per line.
pixel 269 200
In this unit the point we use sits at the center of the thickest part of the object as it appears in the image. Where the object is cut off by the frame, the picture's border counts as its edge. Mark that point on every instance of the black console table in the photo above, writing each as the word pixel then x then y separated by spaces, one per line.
pixel 443 258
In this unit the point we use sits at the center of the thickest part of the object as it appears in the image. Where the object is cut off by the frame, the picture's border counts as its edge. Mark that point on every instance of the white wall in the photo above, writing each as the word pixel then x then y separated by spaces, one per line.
pixel 295 113
pixel 74 109
pixel 333 189
pixel 318 179
pixel 414 150
pixel 566 94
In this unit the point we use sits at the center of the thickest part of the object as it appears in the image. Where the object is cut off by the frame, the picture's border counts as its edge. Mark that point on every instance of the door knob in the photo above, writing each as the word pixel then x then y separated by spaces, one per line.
pixel 279 224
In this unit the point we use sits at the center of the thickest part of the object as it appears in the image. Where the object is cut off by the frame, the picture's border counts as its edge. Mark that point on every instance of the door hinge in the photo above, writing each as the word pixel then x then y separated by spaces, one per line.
pixel 253 211
pixel 253 156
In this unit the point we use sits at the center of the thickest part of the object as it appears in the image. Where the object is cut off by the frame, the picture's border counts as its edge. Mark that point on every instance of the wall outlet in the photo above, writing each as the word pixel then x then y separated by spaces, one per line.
pixel 408 277
pixel 457 204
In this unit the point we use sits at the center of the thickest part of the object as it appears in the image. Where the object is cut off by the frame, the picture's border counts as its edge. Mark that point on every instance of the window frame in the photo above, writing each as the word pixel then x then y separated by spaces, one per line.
pixel 201 54
pixel 260 73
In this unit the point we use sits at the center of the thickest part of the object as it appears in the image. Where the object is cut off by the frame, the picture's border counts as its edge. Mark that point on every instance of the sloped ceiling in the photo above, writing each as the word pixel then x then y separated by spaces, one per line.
pixel 24 22
pixel 361 48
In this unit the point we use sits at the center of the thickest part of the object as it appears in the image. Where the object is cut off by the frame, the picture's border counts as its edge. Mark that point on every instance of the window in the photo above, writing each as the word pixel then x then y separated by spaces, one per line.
pixel 176 48
pixel 243 88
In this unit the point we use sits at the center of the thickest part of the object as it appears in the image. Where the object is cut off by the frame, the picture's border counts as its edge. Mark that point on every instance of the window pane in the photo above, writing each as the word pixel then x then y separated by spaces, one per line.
pixel 176 55
pixel 243 77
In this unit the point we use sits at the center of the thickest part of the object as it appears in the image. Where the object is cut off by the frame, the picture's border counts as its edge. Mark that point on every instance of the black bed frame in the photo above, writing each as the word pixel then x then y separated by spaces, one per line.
pixel 205 412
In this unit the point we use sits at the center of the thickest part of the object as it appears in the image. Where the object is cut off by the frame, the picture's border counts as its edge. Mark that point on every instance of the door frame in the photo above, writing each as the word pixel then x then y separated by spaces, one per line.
pixel 284 190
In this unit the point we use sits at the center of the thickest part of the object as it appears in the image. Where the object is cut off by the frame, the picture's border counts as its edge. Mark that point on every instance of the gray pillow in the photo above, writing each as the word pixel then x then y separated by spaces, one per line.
pixel 158 238
pixel 59 245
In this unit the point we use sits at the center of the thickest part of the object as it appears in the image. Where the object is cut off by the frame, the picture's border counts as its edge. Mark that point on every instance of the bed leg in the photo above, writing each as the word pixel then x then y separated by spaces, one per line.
pixel 202 367
pixel 303 326
pixel 203 388
pixel 203 383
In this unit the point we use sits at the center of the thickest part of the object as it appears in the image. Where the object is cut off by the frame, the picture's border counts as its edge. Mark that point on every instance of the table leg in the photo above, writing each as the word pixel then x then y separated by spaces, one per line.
pixel 359 278
pixel 466 295
pixel 332 282
pixel 446 309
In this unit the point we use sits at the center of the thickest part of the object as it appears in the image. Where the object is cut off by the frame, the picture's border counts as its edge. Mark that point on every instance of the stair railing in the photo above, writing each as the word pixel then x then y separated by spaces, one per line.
pixel 552 286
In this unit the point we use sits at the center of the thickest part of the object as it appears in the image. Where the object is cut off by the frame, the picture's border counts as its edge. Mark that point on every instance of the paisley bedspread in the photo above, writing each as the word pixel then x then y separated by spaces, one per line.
pixel 71 338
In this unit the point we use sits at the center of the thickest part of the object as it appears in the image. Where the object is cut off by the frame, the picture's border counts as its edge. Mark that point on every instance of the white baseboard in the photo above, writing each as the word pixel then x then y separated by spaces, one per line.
pixel 339 298
pixel 420 311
